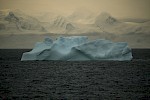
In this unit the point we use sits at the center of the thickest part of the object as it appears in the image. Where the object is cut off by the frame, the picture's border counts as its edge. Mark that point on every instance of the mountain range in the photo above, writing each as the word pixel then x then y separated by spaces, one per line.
pixel 22 30
pixel 79 22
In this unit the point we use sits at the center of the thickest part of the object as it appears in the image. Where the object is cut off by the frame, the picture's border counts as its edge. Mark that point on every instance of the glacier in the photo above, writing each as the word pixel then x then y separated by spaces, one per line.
pixel 78 48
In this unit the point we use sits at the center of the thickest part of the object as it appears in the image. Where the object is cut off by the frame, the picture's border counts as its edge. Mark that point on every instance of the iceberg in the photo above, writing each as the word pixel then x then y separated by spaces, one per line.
pixel 78 48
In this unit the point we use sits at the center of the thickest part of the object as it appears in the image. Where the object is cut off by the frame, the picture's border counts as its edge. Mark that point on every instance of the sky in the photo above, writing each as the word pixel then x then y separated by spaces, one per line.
pixel 118 8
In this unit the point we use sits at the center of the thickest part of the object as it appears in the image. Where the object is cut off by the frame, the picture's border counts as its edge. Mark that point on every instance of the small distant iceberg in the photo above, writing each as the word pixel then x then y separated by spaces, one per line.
pixel 78 48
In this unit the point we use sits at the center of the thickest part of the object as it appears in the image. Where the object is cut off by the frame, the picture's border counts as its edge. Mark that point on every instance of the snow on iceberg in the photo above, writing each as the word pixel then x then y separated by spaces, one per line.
pixel 78 48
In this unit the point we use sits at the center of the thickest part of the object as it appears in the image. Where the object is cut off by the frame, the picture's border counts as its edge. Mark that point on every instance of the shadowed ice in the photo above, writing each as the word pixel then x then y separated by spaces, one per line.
pixel 78 48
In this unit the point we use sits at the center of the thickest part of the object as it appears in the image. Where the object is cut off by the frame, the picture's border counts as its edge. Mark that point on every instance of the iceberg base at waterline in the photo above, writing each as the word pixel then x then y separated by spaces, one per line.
pixel 78 48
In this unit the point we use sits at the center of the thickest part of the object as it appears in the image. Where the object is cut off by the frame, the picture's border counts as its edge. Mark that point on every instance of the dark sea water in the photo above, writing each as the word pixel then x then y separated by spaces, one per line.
pixel 92 80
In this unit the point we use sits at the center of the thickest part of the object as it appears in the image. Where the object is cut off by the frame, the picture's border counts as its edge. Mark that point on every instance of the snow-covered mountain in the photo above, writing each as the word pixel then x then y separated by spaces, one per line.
pixel 109 24
pixel 104 19
pixel 15 20
pixel 59 25
pixel 134 20
pixel 82 16
pixel 61 22
pixel 45 16
pixel 79 22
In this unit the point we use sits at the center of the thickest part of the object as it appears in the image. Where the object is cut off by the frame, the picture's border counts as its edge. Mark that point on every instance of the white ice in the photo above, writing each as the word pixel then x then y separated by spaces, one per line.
pixel 78 48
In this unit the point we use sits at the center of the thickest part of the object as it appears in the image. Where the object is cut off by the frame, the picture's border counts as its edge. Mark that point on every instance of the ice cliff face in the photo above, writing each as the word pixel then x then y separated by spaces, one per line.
pixel 78 48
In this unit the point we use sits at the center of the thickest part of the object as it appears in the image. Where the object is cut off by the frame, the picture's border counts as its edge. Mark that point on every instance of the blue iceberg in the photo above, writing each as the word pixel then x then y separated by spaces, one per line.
pixel 78 48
